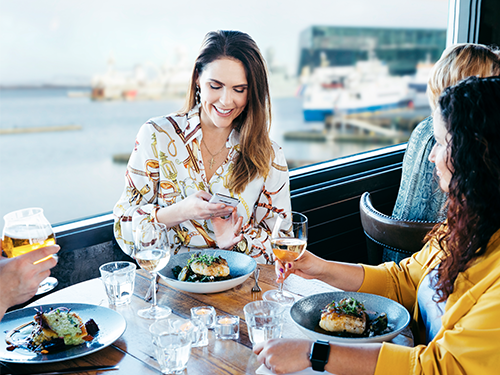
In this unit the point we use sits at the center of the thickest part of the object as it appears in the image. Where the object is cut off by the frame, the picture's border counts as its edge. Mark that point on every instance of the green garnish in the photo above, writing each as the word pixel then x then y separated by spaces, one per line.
pixel 203 258
pixel 348 306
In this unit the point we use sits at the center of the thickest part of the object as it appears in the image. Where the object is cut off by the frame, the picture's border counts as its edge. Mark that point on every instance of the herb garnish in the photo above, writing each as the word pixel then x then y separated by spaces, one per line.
pixel 348 306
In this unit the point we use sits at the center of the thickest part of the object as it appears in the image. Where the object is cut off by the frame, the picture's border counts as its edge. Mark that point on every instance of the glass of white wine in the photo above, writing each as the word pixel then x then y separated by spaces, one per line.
pixel 152 253
pixel 288 245
pixel 27 230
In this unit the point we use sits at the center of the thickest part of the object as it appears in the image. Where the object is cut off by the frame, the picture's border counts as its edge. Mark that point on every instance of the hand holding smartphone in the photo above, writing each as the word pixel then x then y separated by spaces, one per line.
pixel 225 199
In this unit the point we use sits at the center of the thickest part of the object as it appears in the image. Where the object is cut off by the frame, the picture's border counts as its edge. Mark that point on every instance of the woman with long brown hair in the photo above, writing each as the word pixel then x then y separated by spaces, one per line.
pixel 218 143
pixel 452 285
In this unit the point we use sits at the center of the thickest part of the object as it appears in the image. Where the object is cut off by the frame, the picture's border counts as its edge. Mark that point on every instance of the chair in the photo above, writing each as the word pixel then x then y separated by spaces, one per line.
pixel 387 238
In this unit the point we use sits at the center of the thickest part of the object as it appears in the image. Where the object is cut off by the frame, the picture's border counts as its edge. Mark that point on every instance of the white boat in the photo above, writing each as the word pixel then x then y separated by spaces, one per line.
pixel 365 87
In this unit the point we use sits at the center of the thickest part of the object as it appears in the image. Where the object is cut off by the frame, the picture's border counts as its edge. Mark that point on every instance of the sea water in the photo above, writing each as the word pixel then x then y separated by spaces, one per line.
pixel 71 174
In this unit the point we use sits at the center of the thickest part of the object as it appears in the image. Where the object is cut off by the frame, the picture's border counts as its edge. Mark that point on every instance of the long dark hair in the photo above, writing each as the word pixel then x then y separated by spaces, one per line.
pixel 254 158
pixel 470 113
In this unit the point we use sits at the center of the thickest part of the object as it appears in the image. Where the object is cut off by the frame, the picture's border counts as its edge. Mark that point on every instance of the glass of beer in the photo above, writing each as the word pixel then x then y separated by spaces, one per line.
pixel 27 230
pixel 288 244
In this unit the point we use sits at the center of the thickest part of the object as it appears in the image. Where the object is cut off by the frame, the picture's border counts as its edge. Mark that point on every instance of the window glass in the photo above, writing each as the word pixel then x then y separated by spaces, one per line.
pixel 78 79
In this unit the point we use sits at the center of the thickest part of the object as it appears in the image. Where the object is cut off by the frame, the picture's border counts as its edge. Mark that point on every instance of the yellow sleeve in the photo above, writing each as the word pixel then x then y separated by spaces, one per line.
pixel 399 282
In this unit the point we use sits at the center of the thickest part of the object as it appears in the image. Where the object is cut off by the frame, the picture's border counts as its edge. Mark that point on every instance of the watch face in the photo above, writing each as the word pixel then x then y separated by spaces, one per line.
pixel 320 351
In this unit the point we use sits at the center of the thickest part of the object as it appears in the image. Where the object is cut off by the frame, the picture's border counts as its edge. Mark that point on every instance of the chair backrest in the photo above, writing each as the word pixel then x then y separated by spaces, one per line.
pixel 404 237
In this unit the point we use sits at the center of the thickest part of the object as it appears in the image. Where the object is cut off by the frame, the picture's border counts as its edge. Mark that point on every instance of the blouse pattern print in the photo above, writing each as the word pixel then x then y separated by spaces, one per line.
pixel 166 166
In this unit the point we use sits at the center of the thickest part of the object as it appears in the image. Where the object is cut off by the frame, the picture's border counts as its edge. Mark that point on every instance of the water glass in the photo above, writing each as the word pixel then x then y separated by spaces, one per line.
pixel 264 320
pixel 172 340
pixel 227 327
pixel 205 313
pixel 199 336
pixel 119 280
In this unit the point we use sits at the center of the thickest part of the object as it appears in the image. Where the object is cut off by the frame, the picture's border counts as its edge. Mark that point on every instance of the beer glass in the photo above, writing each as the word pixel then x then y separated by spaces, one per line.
pixel 27 230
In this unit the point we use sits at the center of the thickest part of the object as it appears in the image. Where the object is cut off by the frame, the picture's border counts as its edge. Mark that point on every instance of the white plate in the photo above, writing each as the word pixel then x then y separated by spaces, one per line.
pixel 306 313
pixel 111 326
pixel 240 265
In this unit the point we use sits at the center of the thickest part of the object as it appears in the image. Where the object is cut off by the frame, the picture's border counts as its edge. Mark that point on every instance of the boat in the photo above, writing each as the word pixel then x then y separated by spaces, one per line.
pixel 146 81
pixel 364 87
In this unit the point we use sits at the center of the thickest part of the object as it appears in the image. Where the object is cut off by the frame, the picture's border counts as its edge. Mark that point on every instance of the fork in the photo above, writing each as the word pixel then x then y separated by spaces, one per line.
pixel 256 287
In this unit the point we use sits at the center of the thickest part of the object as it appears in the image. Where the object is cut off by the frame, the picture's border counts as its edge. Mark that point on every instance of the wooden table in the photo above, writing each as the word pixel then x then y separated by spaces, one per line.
pixel 133 352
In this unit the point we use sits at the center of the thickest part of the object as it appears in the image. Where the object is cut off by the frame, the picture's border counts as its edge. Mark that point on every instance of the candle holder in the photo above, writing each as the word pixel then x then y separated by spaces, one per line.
pixel 227 327
pixel 204 313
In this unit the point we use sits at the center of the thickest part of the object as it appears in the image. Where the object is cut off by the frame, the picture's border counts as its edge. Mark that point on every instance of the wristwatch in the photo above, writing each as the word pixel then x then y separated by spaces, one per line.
pixel 320 352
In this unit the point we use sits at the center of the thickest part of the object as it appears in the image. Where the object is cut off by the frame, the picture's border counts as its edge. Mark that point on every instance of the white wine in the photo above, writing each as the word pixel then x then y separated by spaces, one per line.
pixel 287 249
pixel 152 260
pixel 22 239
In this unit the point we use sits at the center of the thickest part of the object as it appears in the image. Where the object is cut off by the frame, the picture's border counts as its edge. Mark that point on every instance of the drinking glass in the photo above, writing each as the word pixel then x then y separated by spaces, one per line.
pixel 152 253
pixel 27 230
pixel 287 246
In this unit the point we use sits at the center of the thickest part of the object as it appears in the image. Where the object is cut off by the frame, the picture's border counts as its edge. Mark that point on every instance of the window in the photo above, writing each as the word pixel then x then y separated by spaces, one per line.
pixel 62 151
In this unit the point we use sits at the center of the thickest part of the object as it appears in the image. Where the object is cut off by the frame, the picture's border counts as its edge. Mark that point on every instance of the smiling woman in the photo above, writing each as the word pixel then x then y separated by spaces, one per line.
pixel 218 143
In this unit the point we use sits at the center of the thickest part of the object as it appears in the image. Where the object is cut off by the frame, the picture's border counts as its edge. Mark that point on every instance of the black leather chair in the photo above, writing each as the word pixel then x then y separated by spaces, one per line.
pixel 388 238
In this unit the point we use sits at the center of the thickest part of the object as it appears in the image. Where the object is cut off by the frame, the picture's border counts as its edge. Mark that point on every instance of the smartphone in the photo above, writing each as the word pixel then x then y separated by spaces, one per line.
pixel 227 200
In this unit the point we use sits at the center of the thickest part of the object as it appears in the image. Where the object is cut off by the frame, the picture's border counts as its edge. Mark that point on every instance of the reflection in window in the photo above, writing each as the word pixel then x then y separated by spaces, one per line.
pixel 78 80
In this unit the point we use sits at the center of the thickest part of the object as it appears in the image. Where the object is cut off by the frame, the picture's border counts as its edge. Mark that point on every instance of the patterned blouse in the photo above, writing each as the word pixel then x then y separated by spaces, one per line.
pixel 166 166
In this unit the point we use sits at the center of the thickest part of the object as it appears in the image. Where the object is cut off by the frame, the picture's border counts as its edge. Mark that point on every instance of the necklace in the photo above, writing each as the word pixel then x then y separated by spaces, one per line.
pixel 213 155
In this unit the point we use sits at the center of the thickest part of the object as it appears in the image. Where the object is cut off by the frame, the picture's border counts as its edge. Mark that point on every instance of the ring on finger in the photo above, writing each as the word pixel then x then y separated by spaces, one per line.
pixel 211 215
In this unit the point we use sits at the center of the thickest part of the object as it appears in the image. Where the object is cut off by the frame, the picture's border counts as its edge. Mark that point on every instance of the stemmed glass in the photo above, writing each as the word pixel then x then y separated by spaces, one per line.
pixel 27 230
pixel 287 246
pixel 152 253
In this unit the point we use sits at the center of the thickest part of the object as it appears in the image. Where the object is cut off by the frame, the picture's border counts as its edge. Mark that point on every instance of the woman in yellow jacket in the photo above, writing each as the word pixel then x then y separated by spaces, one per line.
pixel 453 284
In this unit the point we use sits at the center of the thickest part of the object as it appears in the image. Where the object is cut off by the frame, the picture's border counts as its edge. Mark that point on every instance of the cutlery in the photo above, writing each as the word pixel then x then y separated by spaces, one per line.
pixel 256 287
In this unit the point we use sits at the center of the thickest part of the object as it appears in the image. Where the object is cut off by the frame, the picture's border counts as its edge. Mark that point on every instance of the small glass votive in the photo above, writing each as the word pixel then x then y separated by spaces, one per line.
pixel 204 313
pixel 227 327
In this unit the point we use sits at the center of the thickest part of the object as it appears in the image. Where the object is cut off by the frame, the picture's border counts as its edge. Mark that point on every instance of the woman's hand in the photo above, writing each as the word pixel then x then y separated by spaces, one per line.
pixel 345 276
pixel 228 231
pixel 283 356
pixel 308 266
pixel 194 207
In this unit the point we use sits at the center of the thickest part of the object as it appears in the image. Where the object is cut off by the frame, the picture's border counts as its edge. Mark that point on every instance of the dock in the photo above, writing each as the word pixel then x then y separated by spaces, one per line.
pixel 40 129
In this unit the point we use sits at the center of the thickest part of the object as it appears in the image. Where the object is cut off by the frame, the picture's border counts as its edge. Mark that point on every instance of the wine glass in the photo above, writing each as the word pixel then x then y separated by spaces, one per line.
pixel 27 230
pixel 152 253
pixel 287 246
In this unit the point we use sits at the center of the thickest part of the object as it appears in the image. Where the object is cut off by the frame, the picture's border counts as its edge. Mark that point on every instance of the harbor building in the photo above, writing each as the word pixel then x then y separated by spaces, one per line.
pixel 400 48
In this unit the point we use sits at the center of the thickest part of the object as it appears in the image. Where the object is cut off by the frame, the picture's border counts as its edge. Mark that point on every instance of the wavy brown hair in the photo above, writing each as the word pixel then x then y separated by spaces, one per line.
pixel 470 113
pixel 254 158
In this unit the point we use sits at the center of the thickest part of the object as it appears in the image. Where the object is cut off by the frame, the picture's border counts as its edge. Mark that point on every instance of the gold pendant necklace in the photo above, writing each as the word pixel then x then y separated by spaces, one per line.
pixel 212 155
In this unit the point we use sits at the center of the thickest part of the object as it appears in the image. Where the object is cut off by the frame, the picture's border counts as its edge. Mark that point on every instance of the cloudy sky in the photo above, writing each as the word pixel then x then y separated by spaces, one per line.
pixel 44 41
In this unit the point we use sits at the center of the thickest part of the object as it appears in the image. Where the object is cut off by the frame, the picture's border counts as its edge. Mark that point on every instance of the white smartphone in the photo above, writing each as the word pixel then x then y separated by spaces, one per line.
pixel 227 200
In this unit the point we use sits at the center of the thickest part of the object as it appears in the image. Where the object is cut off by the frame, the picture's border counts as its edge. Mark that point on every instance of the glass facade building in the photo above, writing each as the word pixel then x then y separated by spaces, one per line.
pixel 401 49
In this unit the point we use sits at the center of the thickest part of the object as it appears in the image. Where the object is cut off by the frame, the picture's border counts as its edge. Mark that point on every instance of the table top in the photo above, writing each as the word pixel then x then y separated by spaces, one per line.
pixel 133 351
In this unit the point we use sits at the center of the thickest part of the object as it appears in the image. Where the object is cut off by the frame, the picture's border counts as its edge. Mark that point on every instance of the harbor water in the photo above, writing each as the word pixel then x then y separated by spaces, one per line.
pixel 70 171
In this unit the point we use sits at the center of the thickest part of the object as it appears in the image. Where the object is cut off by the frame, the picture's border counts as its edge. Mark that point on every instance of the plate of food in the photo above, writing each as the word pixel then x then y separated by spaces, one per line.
pixel 349 317
pixel 208 271
pixel 57 332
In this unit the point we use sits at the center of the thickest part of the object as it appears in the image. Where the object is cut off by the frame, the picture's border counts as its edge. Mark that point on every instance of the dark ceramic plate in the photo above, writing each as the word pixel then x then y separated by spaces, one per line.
pixel 111 327
pixel 306 313
pixel 240 265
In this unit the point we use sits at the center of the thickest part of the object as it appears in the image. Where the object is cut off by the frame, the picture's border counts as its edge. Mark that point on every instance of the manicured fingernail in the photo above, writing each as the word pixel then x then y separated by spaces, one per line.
pixel 282 270
pixel 289 265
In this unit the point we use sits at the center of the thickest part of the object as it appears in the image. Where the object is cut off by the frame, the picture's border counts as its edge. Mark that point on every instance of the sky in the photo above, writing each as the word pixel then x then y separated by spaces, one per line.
pixel 69 41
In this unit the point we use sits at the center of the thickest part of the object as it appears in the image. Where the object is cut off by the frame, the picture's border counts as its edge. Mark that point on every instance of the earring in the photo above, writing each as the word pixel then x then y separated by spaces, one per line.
pixel 197 95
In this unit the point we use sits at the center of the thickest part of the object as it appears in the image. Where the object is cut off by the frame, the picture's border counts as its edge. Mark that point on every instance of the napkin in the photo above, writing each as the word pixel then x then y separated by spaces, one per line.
pixel 263 370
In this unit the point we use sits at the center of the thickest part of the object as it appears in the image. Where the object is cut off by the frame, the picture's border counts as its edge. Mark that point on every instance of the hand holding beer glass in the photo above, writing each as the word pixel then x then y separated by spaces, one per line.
pixel 27 230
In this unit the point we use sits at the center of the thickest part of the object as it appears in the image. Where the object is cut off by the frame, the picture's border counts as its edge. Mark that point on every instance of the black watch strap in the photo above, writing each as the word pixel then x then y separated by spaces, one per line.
pixel 320 352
